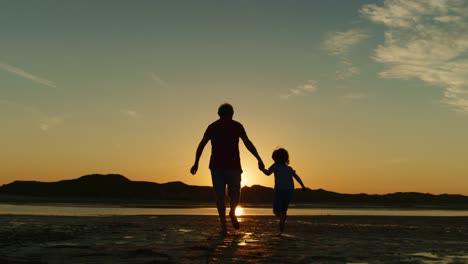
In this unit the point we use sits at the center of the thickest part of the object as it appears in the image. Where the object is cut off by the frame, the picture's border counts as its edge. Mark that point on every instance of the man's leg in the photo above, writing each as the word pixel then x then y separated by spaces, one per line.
pixel 221 206
pixel 234 195
pixel 219 188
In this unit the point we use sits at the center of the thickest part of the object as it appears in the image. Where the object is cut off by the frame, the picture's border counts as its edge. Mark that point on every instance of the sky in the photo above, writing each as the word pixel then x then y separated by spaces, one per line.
pixel 367 96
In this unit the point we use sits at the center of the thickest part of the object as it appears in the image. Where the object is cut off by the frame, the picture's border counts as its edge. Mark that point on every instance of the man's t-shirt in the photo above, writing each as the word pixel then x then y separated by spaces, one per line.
pixel 283 176
pixel 224 135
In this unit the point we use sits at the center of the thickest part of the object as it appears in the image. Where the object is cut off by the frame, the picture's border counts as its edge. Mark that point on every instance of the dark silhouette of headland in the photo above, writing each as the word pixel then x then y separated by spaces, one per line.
pixel 97 188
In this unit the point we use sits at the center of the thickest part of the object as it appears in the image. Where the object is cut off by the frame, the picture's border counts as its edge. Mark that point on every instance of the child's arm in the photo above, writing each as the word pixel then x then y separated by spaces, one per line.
pixel 267 172
pixel 298 179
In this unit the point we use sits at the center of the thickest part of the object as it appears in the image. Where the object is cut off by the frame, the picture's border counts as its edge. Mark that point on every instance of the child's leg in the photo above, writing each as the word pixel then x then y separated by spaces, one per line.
pixel 281 201
pixel 285 198
pixel 277 203
pixel 282 220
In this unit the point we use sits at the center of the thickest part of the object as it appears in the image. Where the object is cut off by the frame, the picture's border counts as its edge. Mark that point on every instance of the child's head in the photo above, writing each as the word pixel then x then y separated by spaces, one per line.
pixel 280 156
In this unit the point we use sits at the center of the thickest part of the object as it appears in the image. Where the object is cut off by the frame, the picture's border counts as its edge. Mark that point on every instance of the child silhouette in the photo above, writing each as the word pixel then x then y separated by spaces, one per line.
pixel 284 184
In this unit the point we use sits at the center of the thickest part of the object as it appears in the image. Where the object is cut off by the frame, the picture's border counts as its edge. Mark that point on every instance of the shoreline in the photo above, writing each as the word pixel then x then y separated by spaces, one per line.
pixel 188 204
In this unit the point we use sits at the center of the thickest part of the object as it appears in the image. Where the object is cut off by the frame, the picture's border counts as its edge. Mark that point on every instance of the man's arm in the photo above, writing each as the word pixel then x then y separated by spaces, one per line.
pixel 250 146
pixel 198 154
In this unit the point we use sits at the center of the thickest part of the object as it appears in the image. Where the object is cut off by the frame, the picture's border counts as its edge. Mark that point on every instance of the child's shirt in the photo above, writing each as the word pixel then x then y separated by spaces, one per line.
pixel 283 176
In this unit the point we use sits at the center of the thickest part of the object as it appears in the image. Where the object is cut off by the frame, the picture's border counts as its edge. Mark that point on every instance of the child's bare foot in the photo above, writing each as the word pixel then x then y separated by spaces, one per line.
pixel 281 225
pixel 282 222
pixel 234 221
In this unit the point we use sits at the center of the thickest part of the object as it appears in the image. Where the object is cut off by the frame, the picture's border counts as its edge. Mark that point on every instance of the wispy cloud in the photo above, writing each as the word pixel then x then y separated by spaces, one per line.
pixel 26 75
pixel 339 44
pixel 43 121
pixel 131 114
pixel 309 87
pixel 158 80
pixel 427 41
pixel 50 122
pixel 346 69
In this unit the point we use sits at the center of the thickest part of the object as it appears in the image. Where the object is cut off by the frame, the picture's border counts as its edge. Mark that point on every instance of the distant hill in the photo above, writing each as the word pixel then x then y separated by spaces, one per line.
pixel 111 186
pixel 115 187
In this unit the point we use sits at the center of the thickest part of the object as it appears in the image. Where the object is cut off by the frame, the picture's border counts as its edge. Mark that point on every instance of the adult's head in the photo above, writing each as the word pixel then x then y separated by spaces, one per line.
pixel 225 111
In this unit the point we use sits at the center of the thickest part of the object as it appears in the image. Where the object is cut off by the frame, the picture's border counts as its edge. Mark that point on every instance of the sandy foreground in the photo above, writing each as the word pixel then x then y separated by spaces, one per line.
pixel 195 239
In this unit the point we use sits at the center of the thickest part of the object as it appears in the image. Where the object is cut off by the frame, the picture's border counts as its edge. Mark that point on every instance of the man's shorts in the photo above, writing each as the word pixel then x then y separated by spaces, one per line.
pixel 221 178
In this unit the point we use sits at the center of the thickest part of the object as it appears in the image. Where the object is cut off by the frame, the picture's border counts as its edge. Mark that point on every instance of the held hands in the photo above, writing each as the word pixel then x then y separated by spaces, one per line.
pixel 261 166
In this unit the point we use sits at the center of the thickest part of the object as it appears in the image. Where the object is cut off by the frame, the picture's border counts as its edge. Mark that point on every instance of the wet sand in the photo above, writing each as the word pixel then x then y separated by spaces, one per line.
pixel 195 239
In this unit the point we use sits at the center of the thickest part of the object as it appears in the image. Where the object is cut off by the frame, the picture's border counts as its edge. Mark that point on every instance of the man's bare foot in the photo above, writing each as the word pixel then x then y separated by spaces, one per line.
pixel 223 231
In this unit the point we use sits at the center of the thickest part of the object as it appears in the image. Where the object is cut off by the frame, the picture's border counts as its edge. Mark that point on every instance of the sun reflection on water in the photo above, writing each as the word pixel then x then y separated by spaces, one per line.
pixel 239 211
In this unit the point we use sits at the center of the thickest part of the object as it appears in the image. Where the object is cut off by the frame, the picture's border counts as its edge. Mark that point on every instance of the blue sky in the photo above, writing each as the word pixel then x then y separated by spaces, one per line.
pixel 368 96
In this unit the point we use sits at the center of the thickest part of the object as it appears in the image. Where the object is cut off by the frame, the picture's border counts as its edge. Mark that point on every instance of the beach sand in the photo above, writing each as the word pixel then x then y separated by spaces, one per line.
pixel 195 239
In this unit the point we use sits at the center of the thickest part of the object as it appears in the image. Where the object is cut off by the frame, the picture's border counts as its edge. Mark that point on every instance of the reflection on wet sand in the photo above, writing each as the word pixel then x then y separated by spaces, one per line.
pixel 195 239
pixel 427 257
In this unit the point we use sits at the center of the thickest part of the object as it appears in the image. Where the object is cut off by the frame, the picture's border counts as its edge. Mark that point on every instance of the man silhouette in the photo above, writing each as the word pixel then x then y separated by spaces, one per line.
pixel 225 164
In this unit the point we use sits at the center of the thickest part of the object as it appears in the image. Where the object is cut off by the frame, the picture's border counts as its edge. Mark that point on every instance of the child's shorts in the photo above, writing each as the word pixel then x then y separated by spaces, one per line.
pixel 281 199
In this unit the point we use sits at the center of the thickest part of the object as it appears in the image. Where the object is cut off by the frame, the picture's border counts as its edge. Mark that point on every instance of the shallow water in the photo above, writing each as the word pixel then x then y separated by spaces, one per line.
pixel 87 210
